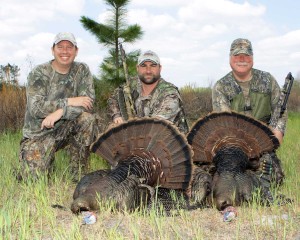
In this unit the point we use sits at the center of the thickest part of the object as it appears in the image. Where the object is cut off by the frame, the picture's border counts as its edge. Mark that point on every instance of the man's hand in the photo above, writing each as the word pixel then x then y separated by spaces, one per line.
pixel 50 120
pixel 118 120
pixel 85 102
pixel 279 135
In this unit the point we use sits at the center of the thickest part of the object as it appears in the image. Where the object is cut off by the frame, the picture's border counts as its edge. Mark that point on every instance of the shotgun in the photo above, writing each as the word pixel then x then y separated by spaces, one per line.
pixel 126 103
pixel 286 90
pixel 284 96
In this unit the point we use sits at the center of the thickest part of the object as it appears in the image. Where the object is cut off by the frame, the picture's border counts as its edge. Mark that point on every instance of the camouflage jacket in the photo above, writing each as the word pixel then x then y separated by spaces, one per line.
pixel 48 90
pixel 227 88
pixel 164 101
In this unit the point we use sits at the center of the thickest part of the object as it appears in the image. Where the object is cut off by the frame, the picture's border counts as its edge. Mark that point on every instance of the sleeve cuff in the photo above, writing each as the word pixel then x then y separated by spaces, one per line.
pixel 64 112
pixel 116 116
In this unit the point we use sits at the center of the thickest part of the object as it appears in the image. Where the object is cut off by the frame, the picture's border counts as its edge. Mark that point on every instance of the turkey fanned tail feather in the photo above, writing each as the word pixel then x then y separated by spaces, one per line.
pixel 229 144
pixel 143 152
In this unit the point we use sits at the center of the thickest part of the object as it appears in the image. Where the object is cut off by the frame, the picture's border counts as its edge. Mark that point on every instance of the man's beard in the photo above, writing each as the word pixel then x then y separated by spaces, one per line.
pixel 151 81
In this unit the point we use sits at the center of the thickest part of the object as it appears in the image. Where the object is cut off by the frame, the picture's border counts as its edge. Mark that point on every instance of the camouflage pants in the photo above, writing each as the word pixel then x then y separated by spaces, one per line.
pixel 37 154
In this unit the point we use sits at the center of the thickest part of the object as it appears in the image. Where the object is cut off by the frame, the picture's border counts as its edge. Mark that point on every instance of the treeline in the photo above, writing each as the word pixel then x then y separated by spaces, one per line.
pixel 197 103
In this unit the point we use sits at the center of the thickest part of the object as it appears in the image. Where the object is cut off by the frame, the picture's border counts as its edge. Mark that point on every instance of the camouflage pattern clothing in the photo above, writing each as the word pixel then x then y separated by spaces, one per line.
pixel 37 154
pixel 48 91
pixel 258 98
pixel 227 88
pixel 164 101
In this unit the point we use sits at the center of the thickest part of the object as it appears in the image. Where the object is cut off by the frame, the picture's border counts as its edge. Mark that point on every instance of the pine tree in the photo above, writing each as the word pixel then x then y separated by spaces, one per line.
pixel 111 34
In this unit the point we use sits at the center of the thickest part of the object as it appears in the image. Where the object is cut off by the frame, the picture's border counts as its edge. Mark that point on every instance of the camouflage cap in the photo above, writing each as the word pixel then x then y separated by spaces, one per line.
pixel 148 56
pixel 241 46
pixel 67 36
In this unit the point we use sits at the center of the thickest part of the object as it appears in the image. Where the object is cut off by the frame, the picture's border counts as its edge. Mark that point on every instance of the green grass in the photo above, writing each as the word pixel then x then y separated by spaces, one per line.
pixel 26 212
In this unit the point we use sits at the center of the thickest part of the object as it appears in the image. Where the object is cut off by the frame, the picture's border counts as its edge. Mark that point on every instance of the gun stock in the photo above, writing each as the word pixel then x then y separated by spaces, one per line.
pixel 128 103
pixel 123 57
pixel 287 87
pixel 282 103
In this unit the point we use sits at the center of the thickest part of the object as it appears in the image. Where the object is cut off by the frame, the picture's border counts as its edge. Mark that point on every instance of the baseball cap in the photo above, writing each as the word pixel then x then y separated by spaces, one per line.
pixel 65 36
pixel 148 56
pixel 241 45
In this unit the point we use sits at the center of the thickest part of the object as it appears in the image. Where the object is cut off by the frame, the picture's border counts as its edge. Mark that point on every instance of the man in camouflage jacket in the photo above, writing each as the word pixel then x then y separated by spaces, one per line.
pixel 252 92
pixel 151 95
pixel 60 95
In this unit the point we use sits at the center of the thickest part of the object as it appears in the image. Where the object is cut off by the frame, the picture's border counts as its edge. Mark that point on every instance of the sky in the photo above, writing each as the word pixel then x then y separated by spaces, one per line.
pixel 192 38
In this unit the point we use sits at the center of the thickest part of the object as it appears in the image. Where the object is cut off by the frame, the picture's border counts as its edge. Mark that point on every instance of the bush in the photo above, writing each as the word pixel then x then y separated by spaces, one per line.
pixel 196 102
pixel 12 107
pixel 294 98
pixel 103 91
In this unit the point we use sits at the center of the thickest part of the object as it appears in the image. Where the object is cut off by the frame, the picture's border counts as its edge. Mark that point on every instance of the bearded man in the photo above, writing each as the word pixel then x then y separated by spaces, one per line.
pixel 151 95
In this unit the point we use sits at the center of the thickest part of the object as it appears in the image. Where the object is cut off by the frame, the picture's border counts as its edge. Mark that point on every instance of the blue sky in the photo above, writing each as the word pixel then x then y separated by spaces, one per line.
pixel 191 37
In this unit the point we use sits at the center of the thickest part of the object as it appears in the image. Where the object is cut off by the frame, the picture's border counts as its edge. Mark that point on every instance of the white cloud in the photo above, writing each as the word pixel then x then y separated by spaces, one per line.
pixel 280 52
pixel 158 3
pixel 71 7
pixel 203 10
pixel 18 16
pixel 21 34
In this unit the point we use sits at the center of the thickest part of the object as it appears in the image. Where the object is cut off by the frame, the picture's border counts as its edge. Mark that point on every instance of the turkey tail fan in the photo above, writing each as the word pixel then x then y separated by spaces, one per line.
pixel 156 138
pixel 216 130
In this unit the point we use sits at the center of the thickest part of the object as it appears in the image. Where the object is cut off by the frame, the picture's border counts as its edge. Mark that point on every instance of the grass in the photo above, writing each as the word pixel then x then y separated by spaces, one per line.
pixel 26 212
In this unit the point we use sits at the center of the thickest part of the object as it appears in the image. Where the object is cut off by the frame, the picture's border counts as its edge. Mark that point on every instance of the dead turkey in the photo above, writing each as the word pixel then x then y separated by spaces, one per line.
pixel 144 153
pixel 228 145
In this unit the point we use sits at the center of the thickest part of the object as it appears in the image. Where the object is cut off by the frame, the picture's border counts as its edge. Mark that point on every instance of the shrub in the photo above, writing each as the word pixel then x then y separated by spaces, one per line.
pixel 12 107
pixel 294 98
pixel 103 90
pixel 196 102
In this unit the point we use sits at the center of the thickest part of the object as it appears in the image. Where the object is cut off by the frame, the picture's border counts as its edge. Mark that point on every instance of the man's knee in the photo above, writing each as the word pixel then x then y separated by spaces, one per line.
pixel 36 156
pixel 88 127
pixel 86 118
